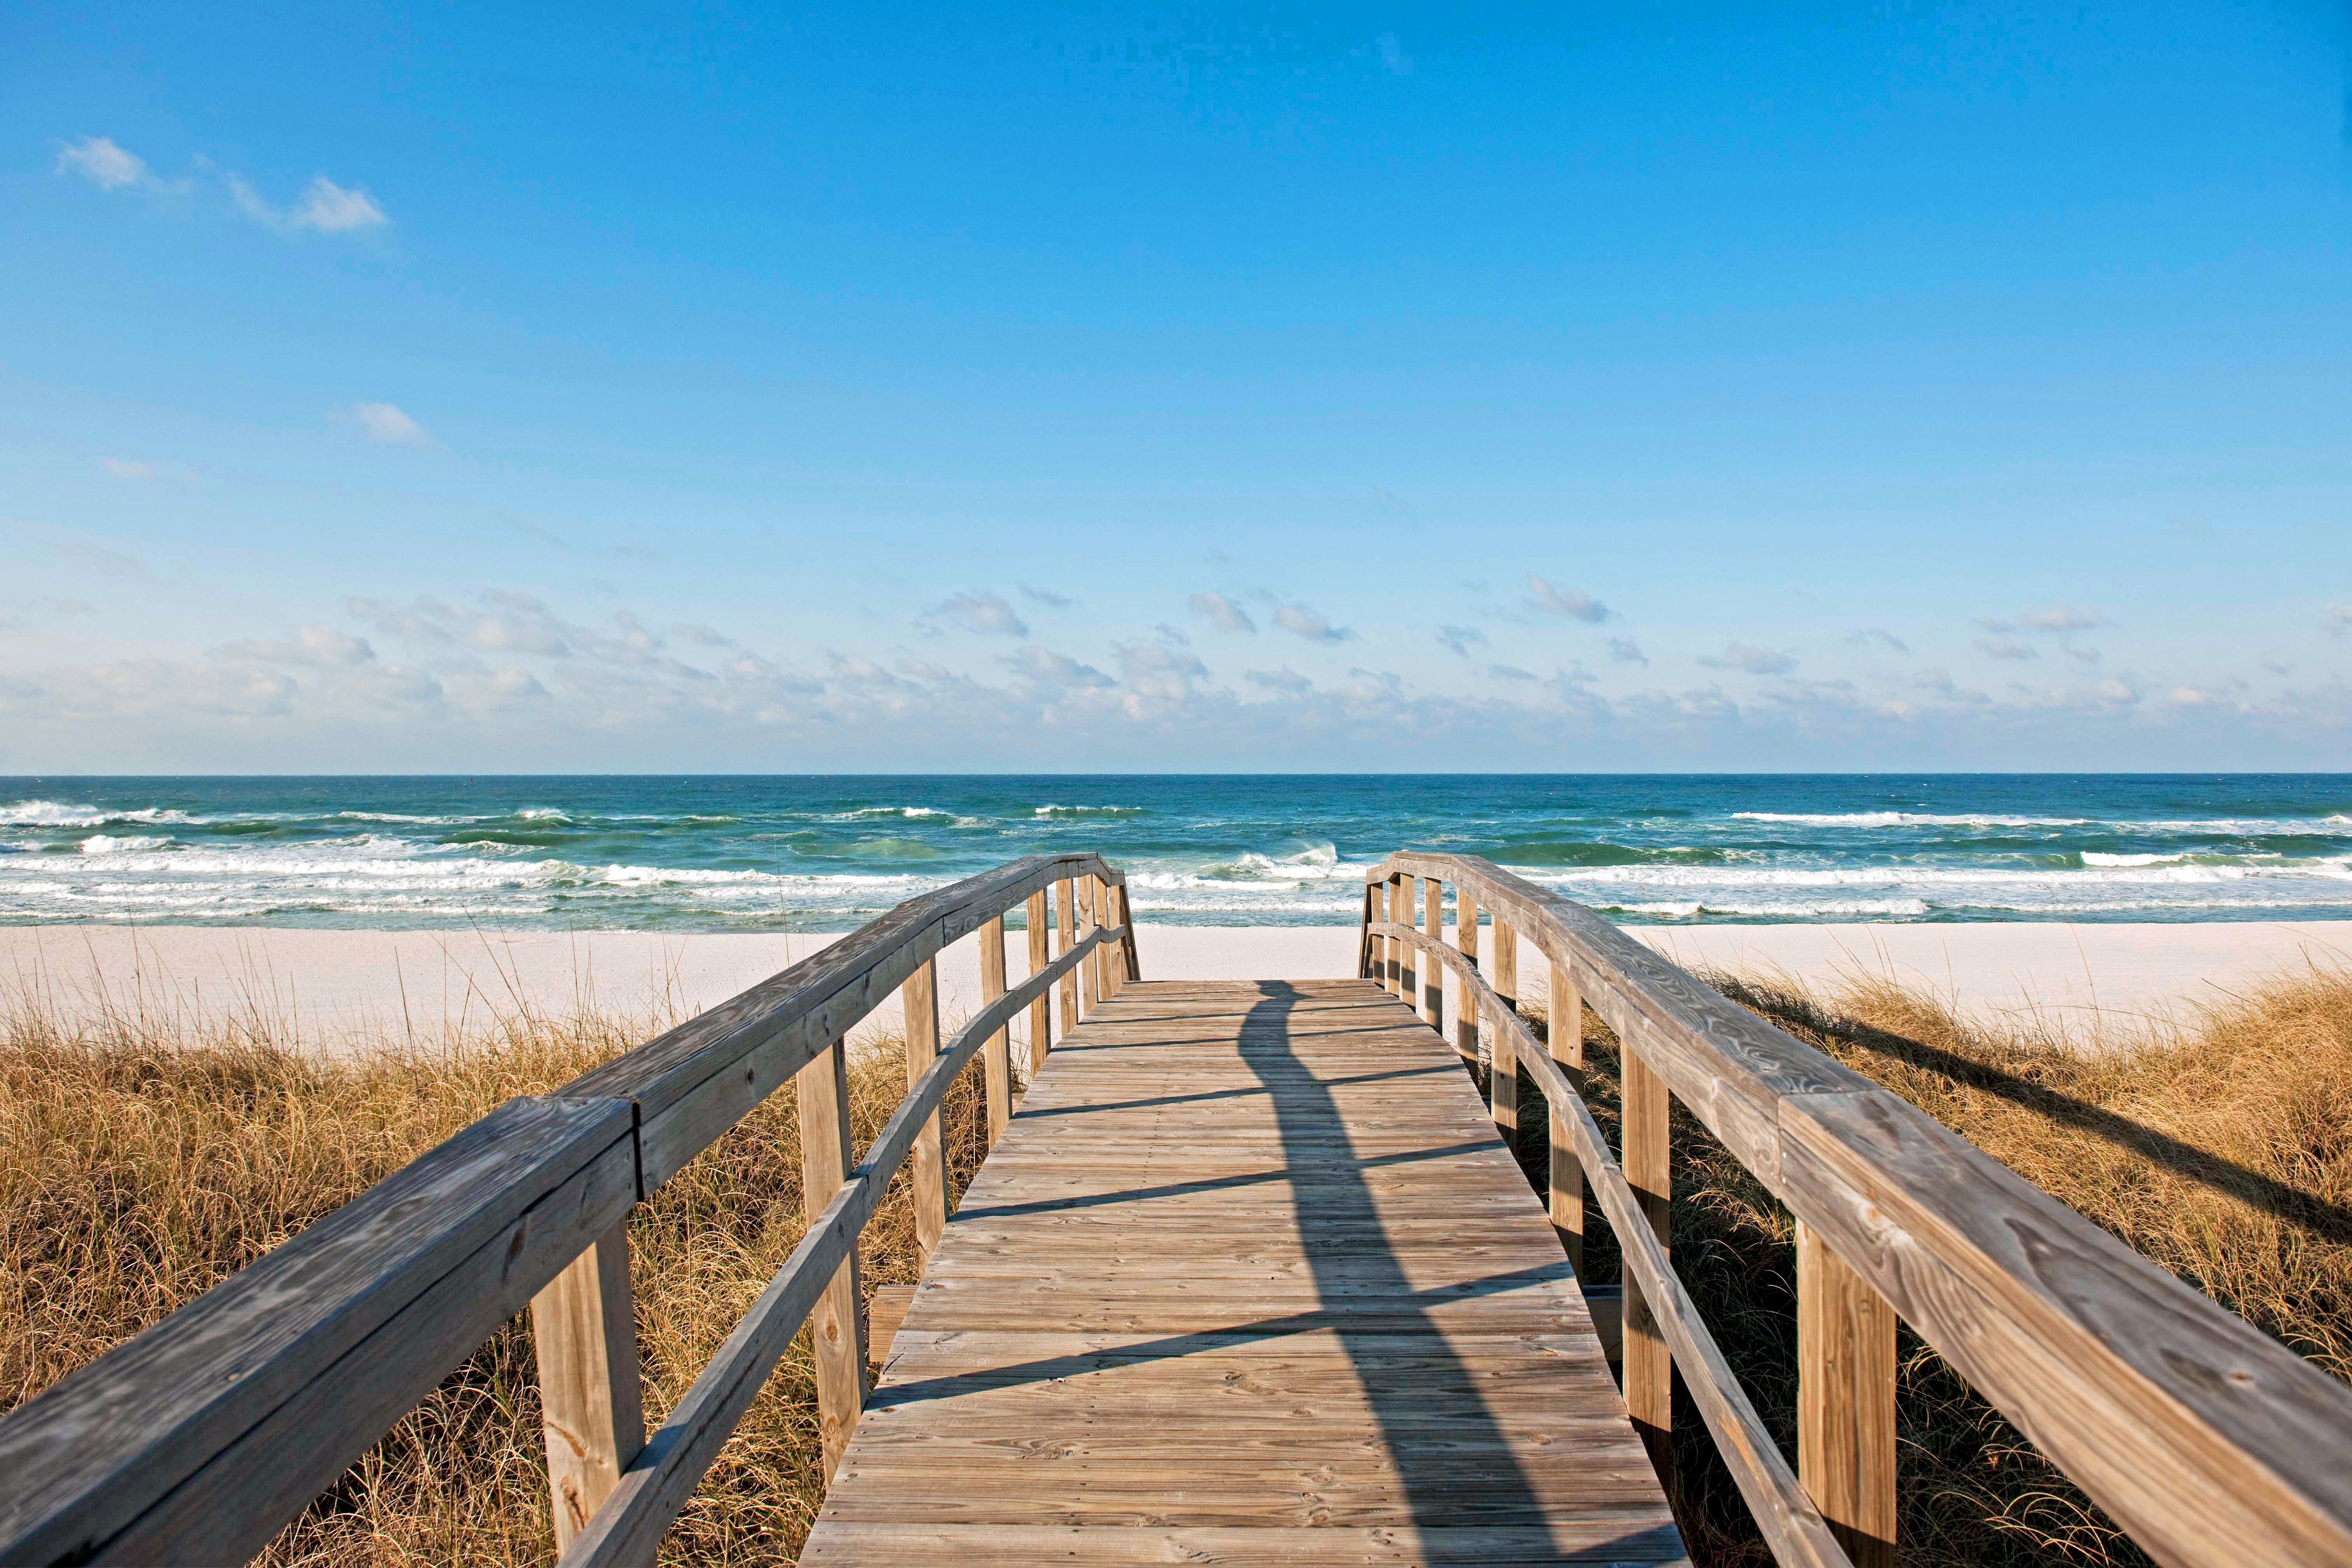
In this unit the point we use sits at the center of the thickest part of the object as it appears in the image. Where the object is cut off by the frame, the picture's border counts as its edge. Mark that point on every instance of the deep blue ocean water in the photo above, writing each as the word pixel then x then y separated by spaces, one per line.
pixel 826 854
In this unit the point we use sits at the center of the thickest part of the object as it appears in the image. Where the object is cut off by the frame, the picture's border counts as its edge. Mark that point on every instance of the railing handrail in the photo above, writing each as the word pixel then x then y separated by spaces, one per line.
pixel 200 1437
pixel 2204 1437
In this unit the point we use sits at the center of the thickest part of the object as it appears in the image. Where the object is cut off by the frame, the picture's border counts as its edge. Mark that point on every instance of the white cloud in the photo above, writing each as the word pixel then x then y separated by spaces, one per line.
pixel 1626 650
pixel 1998 647
pixel 989 614
pixel 104 164
pixel 1284 680
pixel 385 424
pixel 324 206
pixel 331 209
pixel 1881 638
pixel 1310 624
pixel 1223 613
pixel 1047 597
pixel 1510 672
pixel 1754 660
pixel 1458 639
pixel 2336 619
pixel 696 631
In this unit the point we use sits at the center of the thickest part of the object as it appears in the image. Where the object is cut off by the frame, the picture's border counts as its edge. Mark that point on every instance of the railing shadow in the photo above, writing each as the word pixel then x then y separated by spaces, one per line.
pixel 2330 1221
pixel 1431 1459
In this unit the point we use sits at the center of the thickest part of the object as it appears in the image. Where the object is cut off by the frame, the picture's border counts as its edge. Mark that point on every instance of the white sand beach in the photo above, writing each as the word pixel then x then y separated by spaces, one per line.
pixel 338 988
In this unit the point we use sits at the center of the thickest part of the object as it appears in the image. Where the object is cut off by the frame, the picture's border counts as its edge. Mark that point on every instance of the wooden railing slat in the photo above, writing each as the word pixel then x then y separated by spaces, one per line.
pixel 583 1328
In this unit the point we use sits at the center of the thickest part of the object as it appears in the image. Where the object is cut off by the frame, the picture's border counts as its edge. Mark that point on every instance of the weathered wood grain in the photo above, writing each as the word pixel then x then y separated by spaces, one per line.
pixel 584 1327
pixel 996 1051
pixel 1066 917
pixel 1845 1401
pixel 836 1328
pixel 1041 1010
pixel 927 1162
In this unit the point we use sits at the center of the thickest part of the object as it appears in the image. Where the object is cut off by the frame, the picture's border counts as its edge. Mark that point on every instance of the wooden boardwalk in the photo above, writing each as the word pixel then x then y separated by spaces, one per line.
pixel 1250 1279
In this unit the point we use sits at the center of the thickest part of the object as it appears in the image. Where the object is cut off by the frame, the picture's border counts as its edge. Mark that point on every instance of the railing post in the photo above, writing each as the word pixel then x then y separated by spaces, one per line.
pixel 1564 1040
pixel 1433 980
pixel 837 1329
pixel 1364 937
pixel 1066 921
pixel 1089 978
pixel 996 1051
pixel 1503 1089
pixel 584 1324
pixel 1400 955
pixel 927 1162
pixel 1041 1010
pixel 1130 964
pixel 1845 1401
pixel 1466 1005
pixel 1647 1159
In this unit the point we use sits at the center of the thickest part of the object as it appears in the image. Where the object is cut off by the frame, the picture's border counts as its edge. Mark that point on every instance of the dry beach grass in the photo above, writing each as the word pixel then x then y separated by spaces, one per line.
pixel 145 1155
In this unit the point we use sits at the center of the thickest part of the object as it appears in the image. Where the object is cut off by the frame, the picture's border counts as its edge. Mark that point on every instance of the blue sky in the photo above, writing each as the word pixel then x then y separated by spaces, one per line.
pixel 652 388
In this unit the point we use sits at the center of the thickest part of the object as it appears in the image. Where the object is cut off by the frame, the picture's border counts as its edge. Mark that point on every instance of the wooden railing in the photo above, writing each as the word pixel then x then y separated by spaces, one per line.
pixel 2206 1439
pixel 197 1440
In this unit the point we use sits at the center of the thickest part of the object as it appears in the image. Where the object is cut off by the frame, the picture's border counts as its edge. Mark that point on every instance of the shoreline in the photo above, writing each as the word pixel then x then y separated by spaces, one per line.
pixel 340 988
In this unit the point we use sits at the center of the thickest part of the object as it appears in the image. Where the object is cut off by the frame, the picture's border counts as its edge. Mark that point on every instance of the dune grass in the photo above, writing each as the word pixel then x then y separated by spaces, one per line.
pixel 146 1155
pixel 2222 1149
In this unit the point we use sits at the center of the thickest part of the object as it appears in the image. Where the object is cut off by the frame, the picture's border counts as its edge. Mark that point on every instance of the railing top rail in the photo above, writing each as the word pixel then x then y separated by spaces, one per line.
pixel 2205 1438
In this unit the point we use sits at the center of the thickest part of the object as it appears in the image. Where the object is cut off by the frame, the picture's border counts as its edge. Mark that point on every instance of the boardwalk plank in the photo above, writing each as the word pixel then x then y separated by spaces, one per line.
pixel 1248 1279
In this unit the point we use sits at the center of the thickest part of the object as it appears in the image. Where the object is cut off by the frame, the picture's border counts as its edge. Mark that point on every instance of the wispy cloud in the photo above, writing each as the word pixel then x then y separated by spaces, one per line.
pixel 989 614
pixel 1879 636
pixel 1510 672
pixel 1284 680
pixel 2336 619
pixel 1309 623
pixel 104 164
pixel 1754 660
pixel 1626 650
pixel 1392 57
pixel 386 424
pixel 1047 597
pixel 1999 647
pixel 108 562
pixel 1574 603
pixel 324 207
pixel 2060 619
pixel 1223 613
pixel 1458 639
pixel 315 646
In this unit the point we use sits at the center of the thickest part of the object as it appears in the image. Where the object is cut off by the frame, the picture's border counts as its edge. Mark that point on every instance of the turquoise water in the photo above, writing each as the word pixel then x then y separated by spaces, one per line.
pixel 826 854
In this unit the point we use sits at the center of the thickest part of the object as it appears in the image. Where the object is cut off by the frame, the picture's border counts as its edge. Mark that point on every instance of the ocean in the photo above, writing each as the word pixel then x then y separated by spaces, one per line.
pixel 799 853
